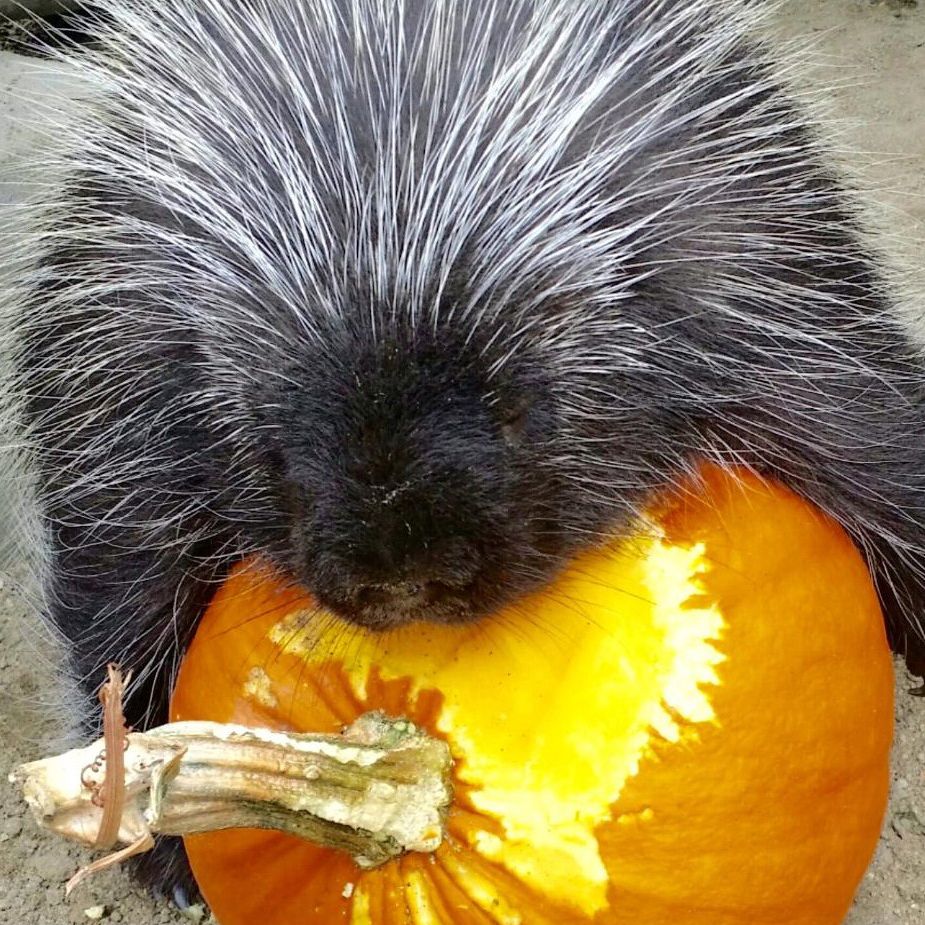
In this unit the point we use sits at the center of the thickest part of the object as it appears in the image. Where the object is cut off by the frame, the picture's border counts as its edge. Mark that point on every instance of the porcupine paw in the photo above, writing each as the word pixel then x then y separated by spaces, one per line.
pixel 165 872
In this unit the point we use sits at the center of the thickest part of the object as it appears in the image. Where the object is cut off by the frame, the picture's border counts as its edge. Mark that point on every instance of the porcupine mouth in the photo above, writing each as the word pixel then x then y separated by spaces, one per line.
pixel 382 607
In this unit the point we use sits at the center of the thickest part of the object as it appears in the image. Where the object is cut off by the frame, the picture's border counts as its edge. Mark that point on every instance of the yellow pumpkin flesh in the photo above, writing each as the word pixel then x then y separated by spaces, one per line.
pixel 689 727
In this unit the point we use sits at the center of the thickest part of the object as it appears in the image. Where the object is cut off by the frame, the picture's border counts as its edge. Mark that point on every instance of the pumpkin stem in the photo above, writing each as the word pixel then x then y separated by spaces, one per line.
pixel 379 790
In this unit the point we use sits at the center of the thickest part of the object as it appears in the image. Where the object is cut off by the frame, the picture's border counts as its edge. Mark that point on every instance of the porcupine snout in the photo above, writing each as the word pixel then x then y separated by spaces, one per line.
pixel 409 486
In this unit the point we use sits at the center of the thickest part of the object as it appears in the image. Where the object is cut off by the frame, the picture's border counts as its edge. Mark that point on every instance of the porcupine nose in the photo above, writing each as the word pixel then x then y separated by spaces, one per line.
pixel 415 558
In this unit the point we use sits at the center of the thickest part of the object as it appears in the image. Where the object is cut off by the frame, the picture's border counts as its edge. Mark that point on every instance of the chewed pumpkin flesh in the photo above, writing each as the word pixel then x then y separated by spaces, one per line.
pixel 692 726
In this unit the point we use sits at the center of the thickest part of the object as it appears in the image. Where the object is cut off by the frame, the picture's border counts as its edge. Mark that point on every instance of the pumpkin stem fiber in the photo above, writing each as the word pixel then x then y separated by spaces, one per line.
pixel 380 789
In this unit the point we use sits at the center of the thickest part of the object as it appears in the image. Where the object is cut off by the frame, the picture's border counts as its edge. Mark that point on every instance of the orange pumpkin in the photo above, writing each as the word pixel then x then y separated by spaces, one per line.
pixel 691 727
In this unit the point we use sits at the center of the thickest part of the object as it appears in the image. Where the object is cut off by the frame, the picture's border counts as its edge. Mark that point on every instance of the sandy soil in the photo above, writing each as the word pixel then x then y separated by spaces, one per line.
pixel 876 53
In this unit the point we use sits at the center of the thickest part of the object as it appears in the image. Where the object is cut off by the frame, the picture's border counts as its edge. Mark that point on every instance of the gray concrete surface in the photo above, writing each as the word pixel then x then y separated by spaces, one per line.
pixel 20 8
pixel 32 93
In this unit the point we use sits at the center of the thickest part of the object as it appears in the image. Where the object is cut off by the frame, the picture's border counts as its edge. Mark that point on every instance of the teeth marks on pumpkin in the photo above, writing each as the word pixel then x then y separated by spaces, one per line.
pixel 636 816
pixel 327 687
pixel 690 640
pixel 548 840
pixel 259 687
pixel 331 687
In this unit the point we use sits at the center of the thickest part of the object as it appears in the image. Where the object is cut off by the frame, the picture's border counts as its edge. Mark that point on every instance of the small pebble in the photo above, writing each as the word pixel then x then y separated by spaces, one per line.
pixel 95 913
pixel 10 828
pixel 53 867
pixel 195 913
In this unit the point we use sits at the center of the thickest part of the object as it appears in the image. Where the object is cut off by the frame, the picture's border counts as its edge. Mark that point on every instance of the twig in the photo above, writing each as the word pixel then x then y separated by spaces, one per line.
pixel 111 795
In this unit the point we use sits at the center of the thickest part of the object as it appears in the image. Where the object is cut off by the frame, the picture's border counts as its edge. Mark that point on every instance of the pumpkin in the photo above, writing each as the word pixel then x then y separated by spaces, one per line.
pixel 691 726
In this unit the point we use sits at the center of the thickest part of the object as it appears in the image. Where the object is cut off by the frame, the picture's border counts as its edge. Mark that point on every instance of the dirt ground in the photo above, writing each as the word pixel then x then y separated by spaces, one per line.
pixel 875 52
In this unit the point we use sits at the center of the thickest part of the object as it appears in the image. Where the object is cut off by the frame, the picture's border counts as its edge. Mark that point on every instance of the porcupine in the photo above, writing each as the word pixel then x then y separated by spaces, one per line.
pixel 417 298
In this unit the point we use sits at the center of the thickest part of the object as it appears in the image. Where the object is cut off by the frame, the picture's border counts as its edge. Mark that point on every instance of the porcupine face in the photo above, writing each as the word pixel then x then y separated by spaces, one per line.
pixel 426 475
pixel 413 486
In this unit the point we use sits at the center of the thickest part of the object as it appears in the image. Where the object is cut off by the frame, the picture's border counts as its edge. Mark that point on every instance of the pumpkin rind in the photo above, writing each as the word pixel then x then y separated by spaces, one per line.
pixel 692 727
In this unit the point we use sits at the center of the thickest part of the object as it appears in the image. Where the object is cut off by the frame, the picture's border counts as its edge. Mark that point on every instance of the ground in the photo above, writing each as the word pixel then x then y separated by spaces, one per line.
pixel 875 53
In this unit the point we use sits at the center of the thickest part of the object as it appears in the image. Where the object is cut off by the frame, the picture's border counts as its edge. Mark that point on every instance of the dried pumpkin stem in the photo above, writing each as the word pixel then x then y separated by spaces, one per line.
pixel 377 791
